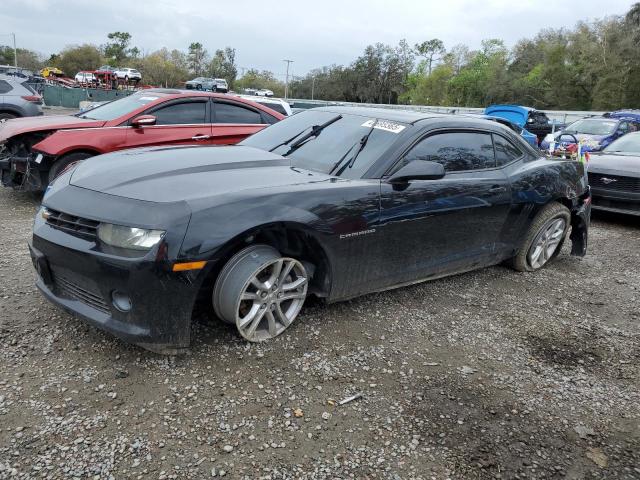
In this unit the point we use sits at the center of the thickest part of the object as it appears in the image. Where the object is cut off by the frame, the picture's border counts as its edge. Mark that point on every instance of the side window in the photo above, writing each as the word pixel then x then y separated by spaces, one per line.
pixel 506 152
pixel 623 128
pixel 457 151
pixel 233 113
pixel 181 113
pixel 5 87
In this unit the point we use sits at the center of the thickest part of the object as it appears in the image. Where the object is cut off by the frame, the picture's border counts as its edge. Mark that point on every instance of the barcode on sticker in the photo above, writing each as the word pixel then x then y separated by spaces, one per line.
pixel 384 125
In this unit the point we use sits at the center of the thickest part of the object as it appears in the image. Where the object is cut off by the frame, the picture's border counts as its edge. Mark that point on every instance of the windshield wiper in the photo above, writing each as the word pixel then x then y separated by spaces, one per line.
pixel 315 131
pixel 363 142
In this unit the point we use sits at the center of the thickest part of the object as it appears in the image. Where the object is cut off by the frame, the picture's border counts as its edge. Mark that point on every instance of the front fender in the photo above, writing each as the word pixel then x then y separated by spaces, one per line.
pixel 64 141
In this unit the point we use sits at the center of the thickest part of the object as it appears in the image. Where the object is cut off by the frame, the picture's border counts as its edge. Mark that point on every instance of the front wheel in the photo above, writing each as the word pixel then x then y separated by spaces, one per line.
pixel 261 292
pixel 65 163
pixel 544 238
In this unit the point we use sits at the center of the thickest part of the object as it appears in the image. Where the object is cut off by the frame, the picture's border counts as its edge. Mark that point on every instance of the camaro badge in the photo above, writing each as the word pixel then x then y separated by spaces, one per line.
pixel 607 181
pixel 356 234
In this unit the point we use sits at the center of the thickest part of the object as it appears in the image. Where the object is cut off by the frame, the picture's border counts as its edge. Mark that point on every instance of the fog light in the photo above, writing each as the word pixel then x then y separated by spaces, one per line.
pixel 121 301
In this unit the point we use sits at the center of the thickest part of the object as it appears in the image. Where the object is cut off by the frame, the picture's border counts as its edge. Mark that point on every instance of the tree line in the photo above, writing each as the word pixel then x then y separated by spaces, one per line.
pixel 592 66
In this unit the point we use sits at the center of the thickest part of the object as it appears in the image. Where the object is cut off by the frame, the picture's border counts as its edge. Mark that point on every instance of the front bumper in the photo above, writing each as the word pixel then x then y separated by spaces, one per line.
pixel 22 173
pixel 78 273
pixel 84 284
pixel 616 201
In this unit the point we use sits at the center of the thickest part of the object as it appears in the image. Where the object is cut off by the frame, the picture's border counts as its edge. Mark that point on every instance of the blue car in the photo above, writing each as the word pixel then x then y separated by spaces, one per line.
pixel 594 133
pixel 527 136
pixel 535 121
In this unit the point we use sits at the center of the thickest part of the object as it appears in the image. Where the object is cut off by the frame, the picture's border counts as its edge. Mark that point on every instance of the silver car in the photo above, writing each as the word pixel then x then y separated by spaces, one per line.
pixel 18 99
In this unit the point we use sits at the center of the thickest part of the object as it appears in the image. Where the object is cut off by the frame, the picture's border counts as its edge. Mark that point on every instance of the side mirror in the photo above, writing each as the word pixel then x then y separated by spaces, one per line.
pixel 143 121
pixel 418 170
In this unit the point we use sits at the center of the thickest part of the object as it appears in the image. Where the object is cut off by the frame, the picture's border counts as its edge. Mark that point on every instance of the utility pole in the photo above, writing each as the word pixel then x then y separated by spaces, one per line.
pixel 313 86
pixel 286 83
pixel 15 53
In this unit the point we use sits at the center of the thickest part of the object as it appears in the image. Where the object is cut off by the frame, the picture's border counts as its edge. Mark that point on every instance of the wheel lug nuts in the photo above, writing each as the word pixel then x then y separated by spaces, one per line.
pixel 264 305
pixel 273 306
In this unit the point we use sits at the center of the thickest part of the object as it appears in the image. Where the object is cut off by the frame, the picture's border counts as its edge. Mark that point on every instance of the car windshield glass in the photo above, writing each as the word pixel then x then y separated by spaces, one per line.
pixel 340 138
pixel 629 143
pixel 117 108
pixel 592 126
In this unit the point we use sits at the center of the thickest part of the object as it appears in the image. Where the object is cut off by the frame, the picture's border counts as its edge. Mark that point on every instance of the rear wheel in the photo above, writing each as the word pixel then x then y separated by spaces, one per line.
pixel 261 292
pixel 198 87
pixel 65 162
pixel 544 238
pixel 6 116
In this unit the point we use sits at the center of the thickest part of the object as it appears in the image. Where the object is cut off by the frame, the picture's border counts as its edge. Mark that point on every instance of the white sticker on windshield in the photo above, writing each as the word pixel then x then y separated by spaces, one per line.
pixel 149 99
pixel 384 125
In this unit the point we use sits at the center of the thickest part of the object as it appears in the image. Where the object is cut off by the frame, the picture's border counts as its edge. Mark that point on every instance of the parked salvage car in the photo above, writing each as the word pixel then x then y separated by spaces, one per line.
pixel 85 77
pixel 18 98
pixel 527 136
pixel 220 85
pixel 614 176
pixel 333 202
pixel 128 74
pixel 264 92
pixel 200 83
pixel 593 133
pixel 533 120
pixel 276 104
pixel 37 150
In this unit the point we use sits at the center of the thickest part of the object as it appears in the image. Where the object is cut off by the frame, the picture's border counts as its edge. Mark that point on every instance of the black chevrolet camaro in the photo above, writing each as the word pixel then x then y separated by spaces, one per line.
pixel 334 202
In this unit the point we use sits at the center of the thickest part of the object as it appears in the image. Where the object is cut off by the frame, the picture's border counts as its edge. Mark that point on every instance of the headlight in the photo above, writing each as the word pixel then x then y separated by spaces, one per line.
pixel 129 237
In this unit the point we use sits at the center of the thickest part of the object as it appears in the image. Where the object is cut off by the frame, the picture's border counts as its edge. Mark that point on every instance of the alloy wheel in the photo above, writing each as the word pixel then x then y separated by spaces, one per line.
pixel 546 243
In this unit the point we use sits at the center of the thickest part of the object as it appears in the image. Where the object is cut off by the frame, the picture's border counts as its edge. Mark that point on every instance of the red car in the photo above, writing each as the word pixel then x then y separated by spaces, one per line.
pixel 33 151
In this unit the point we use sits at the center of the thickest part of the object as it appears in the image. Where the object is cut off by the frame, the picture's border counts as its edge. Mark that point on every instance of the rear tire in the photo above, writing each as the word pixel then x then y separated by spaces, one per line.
pixel 543 241
pixel 261 292
pixel 66 161
pixel 198 87
pixel 7 116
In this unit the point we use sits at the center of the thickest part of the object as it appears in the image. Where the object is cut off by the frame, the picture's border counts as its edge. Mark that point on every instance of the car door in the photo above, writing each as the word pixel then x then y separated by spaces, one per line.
pixel 233 121
pixel 178 122
pixel 432 227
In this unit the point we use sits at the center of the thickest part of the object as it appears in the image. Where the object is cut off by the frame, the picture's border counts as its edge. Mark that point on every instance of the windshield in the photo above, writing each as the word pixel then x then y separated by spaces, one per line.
pixel 629 143
pixel 592 126
pixel 117 108
pixel 338 139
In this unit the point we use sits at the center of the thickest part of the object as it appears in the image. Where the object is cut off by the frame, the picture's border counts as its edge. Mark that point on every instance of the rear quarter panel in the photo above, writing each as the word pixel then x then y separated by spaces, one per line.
pixel 534 184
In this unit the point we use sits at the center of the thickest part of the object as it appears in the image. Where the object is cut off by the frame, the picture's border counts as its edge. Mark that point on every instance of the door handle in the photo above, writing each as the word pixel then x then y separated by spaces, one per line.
pixel 200 137
pixel 497 189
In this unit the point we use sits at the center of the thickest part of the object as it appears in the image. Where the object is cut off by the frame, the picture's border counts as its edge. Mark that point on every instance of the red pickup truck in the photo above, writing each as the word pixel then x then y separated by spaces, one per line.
pixel 34 151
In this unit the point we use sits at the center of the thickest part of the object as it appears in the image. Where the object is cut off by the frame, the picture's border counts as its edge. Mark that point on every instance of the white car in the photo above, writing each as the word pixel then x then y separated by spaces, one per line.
pixel 85 77
pixel 128 74
pixel 264 92
pixel 276 104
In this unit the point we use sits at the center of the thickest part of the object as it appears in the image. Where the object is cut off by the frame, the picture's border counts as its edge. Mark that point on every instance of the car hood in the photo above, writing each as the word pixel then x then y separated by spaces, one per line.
pixel 615 164
pixel 513 113
pixel 187 173
pixel 18 126
pixel 581 137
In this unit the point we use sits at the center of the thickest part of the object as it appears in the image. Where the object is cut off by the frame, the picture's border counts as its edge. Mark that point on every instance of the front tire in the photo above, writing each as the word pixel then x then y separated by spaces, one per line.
pixel 261 292
pixel 543 241
pixel 65 162
pixel 198 87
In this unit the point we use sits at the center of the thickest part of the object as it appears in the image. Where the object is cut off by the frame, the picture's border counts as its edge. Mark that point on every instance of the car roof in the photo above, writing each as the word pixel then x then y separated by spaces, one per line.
pixel 395 115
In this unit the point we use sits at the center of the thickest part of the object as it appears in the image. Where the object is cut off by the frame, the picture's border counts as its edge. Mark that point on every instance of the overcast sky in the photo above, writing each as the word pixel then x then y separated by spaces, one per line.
pixel 264 33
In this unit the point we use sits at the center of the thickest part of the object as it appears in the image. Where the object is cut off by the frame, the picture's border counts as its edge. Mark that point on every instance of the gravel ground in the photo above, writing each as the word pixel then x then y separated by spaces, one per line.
pixel 491 374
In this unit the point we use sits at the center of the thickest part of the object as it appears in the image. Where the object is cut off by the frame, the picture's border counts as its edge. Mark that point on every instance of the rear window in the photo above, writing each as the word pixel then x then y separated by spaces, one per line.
pixel 278 107
pixel 28 87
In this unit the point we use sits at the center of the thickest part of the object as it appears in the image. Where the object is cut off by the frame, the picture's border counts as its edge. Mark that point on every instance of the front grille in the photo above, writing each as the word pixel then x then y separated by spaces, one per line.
pixel 70 288
pixel 614 182
pixel 77 226
pixel 629 206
